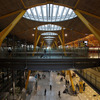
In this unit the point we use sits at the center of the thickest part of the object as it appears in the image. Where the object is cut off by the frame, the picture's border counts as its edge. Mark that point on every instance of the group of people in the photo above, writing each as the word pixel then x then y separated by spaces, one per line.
pixel 39 76
pixel 66 84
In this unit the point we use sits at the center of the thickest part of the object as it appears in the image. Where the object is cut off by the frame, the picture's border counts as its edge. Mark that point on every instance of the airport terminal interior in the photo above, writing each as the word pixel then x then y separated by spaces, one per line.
pixel 49 49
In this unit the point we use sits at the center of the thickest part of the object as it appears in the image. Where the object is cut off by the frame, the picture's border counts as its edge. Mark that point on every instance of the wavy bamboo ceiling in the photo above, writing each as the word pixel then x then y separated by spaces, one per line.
pixel 74 28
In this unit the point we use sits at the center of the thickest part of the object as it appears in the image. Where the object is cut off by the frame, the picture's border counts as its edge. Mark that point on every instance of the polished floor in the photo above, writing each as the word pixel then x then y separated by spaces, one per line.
pixel 53 79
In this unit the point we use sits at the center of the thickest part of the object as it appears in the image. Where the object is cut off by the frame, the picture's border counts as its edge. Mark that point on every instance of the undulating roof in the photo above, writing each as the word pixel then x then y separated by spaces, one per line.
pixel 74 28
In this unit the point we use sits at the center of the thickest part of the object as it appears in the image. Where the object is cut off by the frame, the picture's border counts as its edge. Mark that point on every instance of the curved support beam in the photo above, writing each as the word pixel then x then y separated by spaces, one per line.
pixel 94 30
pixel 76 3
pixel 23 3
pixel 12 13
pixel 89 14
pixel 8 29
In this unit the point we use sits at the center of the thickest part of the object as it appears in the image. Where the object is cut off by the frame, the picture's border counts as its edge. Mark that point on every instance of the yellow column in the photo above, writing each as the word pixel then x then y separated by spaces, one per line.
pixel 36 43
pixel 60 39
pixel 56 44
pixel 8 29
pixel 38 40
pixel 81 85
pixel 35 37
pixel 42 44
pixel 63 38
pixel 94 30
pixel 52 45
pixel 71 81
pixel 26 84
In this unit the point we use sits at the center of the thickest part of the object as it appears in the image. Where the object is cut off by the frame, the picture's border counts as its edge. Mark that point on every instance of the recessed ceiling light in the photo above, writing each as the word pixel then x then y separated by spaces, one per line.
pixel 32 34
pixel 65 34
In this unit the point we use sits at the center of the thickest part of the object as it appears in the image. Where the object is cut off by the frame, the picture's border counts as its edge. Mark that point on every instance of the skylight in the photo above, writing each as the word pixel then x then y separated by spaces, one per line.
pixel 49 27
pixel 48 37
pixel 49 13
pixel 49 33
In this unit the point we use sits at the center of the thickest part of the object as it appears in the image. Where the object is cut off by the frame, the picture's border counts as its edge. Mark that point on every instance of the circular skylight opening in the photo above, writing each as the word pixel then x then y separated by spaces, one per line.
pixel 49 27
pixel 49 33
pixel 49 13
pixel 49 39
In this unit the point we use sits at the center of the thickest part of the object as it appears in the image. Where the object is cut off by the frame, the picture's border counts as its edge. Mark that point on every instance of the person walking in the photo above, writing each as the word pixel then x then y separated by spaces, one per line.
pixel 83 86
pixel 45 92
pixel 65 82
pixel 68 82
pixel 59 94
pixel 50 87
pixel 36 85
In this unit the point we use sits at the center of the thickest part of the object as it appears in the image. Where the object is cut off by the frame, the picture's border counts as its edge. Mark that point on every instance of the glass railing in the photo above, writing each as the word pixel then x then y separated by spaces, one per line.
pixel 50 53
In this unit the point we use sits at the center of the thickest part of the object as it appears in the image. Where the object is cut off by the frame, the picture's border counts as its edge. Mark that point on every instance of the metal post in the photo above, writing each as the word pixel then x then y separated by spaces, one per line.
pixel 7 74
pixel 2 75
pixel 13 79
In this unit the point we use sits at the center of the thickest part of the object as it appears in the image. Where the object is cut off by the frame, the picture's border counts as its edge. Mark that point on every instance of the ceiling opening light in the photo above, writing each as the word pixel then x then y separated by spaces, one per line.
pixel 65 34
pixel 48 37
pixel 49 27
pixel 32 34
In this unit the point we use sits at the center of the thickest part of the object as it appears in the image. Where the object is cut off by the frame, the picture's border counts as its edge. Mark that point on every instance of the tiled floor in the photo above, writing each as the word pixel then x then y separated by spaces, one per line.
pixel 53 79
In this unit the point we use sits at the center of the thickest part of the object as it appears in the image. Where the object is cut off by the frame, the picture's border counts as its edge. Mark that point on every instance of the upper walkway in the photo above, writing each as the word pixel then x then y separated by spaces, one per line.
pixel 49 60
